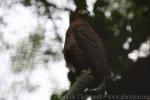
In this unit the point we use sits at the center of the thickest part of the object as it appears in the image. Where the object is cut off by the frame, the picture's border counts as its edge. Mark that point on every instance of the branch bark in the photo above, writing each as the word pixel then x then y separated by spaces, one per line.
pixel 82 82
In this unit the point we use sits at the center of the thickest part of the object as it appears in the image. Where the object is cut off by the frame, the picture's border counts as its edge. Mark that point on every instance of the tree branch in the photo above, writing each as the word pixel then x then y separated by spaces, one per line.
pixel 82 82
pixel 48 4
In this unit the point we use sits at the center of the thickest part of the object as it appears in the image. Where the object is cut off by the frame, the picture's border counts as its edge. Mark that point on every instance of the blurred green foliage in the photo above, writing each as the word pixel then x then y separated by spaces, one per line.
pixel 55 97
pixel 27 49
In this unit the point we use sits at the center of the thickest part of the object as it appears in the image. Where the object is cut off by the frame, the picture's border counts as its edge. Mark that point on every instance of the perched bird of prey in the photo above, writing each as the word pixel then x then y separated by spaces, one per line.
pixel 83 49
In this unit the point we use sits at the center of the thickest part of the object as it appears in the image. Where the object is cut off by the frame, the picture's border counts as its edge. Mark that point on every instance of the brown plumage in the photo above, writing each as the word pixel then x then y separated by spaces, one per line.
pixel 83 49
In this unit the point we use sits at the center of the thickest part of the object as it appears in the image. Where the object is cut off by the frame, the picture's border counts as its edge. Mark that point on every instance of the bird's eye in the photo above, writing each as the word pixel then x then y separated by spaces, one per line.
pixel 77 30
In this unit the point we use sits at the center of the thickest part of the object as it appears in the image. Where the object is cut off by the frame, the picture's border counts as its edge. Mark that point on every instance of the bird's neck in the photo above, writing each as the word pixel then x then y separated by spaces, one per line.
pixel 77 21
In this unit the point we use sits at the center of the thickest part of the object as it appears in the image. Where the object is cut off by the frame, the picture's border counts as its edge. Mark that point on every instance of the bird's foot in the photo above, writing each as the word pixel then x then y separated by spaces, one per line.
pixel 86 72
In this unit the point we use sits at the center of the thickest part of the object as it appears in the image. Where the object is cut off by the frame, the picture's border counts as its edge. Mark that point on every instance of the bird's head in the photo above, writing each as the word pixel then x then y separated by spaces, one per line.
pixel 78 13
